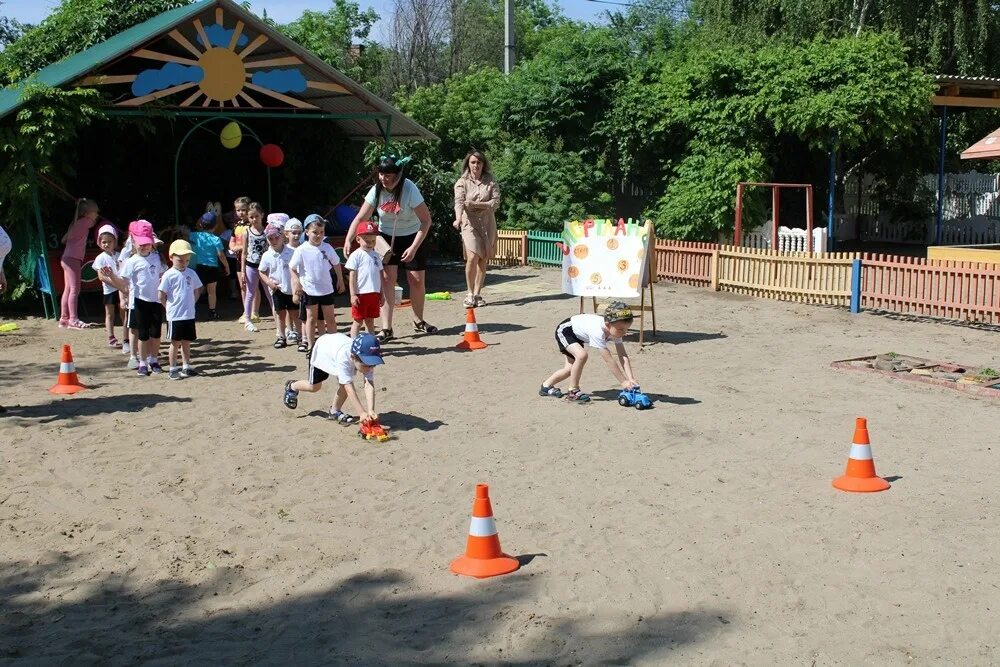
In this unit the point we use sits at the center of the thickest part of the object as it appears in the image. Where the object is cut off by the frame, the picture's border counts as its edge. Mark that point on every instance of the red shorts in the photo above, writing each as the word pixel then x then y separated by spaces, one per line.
pixel 367 308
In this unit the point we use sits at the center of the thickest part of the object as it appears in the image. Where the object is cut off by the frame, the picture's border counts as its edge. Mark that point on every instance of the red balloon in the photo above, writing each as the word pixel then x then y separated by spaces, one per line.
pixel 272 155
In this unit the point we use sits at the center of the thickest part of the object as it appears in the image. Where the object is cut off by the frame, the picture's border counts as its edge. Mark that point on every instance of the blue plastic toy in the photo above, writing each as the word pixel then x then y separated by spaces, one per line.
pixel 633 397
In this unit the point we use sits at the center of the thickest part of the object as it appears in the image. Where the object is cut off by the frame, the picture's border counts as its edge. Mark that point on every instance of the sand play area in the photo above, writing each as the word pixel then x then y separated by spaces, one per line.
pixel 201 522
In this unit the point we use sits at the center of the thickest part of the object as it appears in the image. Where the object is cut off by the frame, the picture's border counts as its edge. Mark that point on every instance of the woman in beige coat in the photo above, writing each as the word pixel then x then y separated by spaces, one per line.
pixel 477 197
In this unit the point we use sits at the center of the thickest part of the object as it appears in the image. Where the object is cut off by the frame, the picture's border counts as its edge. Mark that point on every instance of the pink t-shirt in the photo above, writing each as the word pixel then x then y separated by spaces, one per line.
pixel 76 239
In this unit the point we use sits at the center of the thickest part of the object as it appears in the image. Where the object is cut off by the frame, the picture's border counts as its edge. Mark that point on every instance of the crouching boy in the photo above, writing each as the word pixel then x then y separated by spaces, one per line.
pixel 337 355
pixel 574 334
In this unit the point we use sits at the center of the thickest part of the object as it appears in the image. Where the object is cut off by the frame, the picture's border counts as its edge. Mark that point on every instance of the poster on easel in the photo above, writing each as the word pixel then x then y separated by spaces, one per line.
pixel 605 257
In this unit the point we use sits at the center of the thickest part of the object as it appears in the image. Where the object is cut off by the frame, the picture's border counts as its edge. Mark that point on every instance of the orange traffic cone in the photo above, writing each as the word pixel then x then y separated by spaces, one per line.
pixel 471 341
pixel 860 474
pixel 483 557
pixel 68 382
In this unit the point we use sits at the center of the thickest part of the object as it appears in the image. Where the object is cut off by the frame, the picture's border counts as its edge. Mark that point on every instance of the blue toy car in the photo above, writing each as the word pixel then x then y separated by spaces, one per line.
pixel 629 397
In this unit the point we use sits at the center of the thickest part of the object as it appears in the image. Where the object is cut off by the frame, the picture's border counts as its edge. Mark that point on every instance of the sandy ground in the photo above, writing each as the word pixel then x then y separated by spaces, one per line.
pixel 201 522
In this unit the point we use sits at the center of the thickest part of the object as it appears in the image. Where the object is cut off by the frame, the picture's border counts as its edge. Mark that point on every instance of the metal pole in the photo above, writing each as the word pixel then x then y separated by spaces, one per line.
pixel 940 193
pixel 775 214
pixel 809 219
pixel 738 229
pixel 831 194
pixel 508 36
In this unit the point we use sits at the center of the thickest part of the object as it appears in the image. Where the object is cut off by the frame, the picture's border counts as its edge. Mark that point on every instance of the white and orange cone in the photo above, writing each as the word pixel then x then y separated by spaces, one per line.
pixel 471 340
pixel 68 382
pixel 860 475
pixel 483 557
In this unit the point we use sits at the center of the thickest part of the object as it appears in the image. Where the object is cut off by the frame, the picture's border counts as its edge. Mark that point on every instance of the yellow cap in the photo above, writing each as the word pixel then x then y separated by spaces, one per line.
pixel 180 247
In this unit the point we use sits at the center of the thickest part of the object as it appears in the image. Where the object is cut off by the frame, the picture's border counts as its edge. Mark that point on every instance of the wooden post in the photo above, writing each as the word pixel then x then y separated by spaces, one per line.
pixel 738 230
pixel 714 270
pixel 524 248
pixel 775 205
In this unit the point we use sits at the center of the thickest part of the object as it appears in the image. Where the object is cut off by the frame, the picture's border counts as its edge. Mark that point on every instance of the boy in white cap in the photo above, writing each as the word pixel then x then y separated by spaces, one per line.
pixel 107 239
pixel 337 355
pixel 179 291
pixel 274 274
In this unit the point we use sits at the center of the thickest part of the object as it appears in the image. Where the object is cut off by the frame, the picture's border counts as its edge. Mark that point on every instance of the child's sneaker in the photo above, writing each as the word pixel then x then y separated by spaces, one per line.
pixel 155 367
pixel 126 348
pixel 291 336
pixel 142 371
pixel 133 363
pixel 174 374
pixel 291 396
pixel 187 372
pixel 554 392
pixel 251 327
pixel 243 319
pixel 112 341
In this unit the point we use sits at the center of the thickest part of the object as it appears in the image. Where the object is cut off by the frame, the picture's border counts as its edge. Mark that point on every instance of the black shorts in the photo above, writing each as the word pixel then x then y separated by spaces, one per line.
pixel 400 244
pixel 180 330
pixel 111 298
pixel 234 266
pixel 565 337
pixel 322 300
pixel 129 318
pixel 302 311
pixel 147 318
pixel 317 376
pixel 208 274
pixel 283 301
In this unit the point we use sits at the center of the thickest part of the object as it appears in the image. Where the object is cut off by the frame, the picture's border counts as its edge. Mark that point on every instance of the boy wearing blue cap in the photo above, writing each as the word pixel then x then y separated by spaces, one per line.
pixel 211 257
pixel 337 355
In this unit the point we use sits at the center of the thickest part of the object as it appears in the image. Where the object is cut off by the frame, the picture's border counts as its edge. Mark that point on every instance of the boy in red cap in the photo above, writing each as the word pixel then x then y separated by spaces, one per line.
pixel 365 266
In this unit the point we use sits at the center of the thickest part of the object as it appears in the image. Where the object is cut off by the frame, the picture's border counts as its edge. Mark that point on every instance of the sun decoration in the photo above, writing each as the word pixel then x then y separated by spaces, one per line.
pixel 219 70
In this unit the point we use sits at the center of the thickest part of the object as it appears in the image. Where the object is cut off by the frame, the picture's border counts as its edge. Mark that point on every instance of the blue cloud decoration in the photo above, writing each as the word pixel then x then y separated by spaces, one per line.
pixel 220 36
pixel 171 74
pixel 281 80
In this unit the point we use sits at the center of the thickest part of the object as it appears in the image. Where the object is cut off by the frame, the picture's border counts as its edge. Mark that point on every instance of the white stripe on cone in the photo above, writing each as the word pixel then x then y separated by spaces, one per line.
pixel 861 452
pixel 67 367
pixel 471 326
pixel 482 527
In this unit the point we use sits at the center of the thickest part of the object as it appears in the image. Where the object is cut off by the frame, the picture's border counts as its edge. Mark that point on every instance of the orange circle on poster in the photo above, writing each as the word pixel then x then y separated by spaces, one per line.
pixel 623 265
pixel 633 281
pixel 580 251
pixel 573 272
pixel 612 244
pixel 639 254
pixel 595 278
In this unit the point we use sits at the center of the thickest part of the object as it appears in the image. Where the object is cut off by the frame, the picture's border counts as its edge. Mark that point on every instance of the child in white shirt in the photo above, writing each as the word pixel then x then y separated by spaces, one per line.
pixel 338 356
pixel 107 239
pixel 140 275
pixel 574 333
pixel 180 288
pixel 311 282
pixel 365 266
pixel 274 273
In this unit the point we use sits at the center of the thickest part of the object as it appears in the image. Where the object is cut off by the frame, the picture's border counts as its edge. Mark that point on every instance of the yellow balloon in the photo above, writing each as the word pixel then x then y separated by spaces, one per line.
pixel 231 135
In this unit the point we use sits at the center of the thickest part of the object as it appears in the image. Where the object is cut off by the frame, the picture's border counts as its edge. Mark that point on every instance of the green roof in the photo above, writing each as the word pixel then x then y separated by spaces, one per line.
pixel 78 64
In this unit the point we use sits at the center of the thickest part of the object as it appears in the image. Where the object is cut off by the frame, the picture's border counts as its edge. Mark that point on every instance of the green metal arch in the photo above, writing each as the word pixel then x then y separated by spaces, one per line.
pixel 180 147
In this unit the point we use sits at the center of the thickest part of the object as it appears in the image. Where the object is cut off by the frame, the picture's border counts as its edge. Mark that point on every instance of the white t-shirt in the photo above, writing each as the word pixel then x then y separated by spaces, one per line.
pixel 179 286
pixel 368 266
pixel 313 264
pixel 331 353
pixel 143 274
pixel 275 265
pixel 404 223
pixel 110 261
pixel 590 330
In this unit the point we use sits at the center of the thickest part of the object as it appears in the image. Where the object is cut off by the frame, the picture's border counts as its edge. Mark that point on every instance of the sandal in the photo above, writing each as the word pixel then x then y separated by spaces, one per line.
pixel 384 336
pixel 423 327
pixel 480 301
pixel 279 342
pixel 554 392
pixel 291 396
pixel 470 302
pixel 576 396
pixel 77 324
pixel 342 418
pixel 112 341
pixel 303 346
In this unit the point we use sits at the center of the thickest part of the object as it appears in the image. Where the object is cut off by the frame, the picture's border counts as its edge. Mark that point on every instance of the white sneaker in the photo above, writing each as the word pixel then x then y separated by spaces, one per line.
pixel 243 318
pixel 251 327
pixel 126 348
pixel 291 336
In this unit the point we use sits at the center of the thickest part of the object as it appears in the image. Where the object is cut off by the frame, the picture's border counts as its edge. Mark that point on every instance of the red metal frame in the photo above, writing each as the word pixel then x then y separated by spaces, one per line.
pixel 775 204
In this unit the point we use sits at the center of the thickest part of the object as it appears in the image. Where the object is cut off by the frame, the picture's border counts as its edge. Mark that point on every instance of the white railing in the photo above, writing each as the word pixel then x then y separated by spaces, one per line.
pixel 789 240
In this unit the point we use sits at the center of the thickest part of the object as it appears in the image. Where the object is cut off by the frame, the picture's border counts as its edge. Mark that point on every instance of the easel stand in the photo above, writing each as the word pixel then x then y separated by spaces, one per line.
pixel 648 280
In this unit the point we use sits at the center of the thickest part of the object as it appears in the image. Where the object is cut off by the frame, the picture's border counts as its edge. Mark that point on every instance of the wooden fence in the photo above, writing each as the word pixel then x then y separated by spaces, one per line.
pixel 967 291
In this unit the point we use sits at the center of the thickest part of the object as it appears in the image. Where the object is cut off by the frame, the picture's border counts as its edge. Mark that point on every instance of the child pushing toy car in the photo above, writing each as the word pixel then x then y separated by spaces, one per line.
pixel 574 334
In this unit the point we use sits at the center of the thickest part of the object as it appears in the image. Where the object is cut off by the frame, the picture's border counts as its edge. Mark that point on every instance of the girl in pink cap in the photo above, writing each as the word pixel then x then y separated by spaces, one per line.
pixel 75 240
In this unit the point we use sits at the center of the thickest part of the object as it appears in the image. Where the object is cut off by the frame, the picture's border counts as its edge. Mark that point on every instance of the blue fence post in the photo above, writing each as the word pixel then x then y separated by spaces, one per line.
pixel 856 286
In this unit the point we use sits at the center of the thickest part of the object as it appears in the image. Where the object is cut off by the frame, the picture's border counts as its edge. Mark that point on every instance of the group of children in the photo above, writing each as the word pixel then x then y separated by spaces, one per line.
pixel 299 271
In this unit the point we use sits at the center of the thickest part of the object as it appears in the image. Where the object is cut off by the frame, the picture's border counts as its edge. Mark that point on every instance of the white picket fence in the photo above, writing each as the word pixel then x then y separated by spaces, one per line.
pixel 789 240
